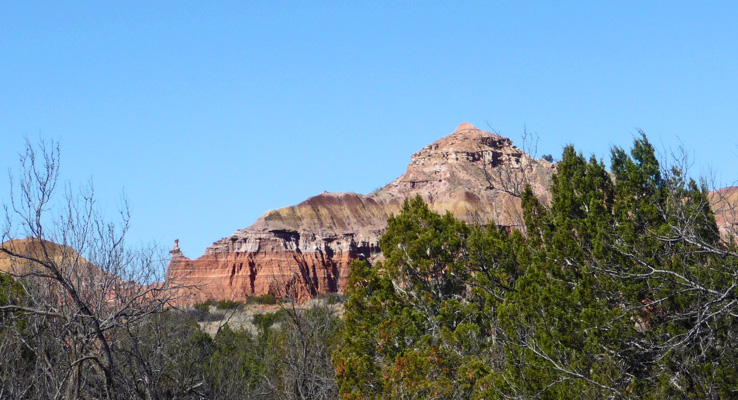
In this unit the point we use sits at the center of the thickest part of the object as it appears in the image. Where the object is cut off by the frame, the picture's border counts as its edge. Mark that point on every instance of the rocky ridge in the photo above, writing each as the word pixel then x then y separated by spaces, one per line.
pixel 306 249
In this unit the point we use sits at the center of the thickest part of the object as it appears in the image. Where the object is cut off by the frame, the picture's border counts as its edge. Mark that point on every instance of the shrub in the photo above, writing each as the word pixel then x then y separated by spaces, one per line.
pixel 228 305
pixel 202 314
pixel 204 305
pixel 264 299
pixel 266 320
pixel 332 298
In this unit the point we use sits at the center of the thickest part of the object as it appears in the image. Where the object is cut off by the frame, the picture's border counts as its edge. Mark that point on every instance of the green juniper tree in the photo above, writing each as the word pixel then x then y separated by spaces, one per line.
pixel 560 322
pixel 422 323
pixel 630 291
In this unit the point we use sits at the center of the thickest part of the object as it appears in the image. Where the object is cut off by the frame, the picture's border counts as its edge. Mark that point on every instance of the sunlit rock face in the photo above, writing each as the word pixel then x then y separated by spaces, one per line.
pixel 306 249
pixel 724 204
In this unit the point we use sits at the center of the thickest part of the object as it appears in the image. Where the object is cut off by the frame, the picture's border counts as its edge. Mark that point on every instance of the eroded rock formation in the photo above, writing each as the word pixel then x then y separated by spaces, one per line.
pixel 306 249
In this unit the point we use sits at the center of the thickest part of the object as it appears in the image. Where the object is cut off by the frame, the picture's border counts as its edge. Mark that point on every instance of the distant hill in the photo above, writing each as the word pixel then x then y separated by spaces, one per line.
pixel 36 249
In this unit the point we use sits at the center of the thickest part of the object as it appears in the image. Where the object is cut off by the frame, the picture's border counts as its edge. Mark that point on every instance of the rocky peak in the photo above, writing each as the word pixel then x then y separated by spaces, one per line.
pixel 469 159
pixel 465 126
pixel 467 143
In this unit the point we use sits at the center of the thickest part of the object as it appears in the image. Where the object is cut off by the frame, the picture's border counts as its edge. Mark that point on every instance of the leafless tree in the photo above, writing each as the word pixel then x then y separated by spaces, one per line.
pixel 84 290
pixel 511 177
pixel 299 365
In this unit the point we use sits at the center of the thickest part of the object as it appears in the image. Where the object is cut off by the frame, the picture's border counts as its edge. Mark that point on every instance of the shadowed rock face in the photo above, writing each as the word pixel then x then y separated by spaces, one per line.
pixel 306 249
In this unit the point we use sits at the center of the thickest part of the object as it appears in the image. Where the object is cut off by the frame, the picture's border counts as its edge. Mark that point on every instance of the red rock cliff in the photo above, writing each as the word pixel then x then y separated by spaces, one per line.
pixel 306 249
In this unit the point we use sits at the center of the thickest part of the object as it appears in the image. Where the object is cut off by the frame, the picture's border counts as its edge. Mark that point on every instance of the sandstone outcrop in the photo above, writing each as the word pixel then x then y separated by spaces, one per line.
pixel 306 249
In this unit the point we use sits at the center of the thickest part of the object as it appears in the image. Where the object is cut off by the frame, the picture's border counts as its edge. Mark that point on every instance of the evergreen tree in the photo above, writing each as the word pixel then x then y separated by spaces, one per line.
pixel 560 322
pixel 629 292
pixel 422 323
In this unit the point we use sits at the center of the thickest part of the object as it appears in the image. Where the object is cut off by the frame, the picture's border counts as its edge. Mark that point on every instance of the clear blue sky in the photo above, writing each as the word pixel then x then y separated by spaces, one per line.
pixel 207 114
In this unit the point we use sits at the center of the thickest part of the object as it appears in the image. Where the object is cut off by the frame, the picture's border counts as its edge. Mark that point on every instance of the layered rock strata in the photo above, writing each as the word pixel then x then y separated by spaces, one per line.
pixel 306 249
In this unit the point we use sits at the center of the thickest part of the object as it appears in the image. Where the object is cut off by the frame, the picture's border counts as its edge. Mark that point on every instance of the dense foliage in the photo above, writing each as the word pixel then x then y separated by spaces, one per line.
pixel 423 323
pixel 621 287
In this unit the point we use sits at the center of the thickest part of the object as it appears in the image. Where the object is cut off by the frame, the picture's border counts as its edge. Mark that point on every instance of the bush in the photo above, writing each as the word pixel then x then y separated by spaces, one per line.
pixel 228 305
pixel 204 305
pixel 266 320
pixel 264 299
pixel 201 313
pixel 332 298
